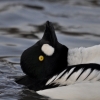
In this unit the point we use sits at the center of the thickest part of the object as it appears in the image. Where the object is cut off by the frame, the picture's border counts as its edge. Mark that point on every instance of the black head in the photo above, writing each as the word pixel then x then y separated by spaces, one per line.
pixel 40 64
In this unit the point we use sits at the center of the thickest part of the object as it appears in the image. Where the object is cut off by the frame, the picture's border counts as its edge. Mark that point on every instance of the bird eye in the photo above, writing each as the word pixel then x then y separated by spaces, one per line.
pixel 41 58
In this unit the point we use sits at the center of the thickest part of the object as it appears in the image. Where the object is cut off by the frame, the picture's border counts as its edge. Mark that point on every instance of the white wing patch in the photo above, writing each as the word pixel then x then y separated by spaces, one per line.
pixel 62 80
pixel 60 74
pixel 55 79
pixel 78 73
pixel 97 78
pixel 50 80
pixel 72 76
pixel 47 49
pixel 84 75
pixel 93 75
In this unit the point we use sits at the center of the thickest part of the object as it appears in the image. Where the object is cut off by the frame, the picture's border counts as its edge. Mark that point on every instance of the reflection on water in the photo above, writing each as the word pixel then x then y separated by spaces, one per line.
pixel 77 23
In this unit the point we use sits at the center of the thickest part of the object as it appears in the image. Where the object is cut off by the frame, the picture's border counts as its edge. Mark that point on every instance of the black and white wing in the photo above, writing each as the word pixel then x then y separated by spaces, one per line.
pixel 85 80
pixel 76 73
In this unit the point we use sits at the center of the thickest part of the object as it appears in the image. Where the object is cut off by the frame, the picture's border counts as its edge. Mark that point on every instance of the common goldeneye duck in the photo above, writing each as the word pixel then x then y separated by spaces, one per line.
pixel 58 72
pixel 43 60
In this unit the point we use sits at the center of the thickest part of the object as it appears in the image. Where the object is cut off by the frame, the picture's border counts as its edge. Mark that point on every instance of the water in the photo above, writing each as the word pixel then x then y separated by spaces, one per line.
pixel 77 23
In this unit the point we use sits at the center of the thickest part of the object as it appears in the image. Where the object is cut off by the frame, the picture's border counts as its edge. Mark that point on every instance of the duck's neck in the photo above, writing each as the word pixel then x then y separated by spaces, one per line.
pixel 84 55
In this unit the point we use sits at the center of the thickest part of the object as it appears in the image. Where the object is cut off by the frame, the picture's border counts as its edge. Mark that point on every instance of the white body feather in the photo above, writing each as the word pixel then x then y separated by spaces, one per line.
pixel 79 91
pixel 88 89
pixel 84 55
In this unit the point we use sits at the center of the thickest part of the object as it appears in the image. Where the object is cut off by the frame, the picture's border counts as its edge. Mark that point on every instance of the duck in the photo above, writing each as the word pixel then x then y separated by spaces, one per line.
pixel 53 70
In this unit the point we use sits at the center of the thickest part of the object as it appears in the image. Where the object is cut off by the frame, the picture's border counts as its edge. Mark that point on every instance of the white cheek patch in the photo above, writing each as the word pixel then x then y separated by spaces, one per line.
pixel 47 49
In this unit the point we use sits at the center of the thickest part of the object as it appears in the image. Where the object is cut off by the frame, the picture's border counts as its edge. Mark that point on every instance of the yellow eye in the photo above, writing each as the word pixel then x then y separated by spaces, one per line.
pixel 41 58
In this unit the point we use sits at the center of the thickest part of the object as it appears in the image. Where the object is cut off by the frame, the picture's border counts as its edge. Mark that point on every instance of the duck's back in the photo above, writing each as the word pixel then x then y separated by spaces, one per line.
pixel 84 55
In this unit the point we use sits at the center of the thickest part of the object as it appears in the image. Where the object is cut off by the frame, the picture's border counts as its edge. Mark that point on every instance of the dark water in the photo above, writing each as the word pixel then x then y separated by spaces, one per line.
pixel 77 23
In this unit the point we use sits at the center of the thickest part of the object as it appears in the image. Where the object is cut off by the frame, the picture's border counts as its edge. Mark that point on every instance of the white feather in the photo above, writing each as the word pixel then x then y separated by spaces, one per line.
pixel 97 78
pixel 50 80
pixel 47 49
pixel 60 74
pixel 78 91
pixel 78 73
pixel 84 55
pixel 93 75
pixel 84 75
pixel 75 56
pixel 71 79
pixel 62 80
